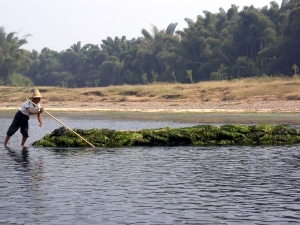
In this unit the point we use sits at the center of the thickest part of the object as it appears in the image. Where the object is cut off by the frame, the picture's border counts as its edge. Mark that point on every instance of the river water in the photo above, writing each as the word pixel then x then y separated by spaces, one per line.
pixel 148 185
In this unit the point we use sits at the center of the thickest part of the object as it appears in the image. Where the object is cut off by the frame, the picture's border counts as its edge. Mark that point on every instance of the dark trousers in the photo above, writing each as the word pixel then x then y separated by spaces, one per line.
pixel 20 121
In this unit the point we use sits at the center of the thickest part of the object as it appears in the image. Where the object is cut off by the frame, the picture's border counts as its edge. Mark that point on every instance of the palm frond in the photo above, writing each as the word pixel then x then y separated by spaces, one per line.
pixel 171 29
pixel 189 21
pixel 146 34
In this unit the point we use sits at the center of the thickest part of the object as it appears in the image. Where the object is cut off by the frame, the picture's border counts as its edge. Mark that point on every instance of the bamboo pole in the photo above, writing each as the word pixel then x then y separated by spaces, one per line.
pixel 64 125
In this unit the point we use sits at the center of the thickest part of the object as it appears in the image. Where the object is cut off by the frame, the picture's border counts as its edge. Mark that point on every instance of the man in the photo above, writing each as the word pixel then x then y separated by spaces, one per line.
pixel 22 116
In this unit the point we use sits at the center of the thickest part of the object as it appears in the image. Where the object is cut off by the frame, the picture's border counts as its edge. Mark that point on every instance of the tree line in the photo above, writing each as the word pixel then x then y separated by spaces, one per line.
pixel 216 46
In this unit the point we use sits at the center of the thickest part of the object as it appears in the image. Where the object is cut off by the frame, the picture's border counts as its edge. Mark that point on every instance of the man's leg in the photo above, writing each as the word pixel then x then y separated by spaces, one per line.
pixel 23 141
pixel 6 141
pixel 13 127
pixel 24 132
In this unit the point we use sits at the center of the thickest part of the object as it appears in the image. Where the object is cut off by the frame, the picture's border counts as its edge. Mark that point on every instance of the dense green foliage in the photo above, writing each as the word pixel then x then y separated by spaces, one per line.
pixel 13 60
pixel 225 45
pixel 231 134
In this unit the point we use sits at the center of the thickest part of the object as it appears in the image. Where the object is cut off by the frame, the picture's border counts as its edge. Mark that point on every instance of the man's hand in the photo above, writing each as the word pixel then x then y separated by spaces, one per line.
pixel 41 110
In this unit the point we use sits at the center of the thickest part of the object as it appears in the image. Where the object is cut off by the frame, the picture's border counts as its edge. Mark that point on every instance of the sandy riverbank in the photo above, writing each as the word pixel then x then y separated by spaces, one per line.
pixel 224 106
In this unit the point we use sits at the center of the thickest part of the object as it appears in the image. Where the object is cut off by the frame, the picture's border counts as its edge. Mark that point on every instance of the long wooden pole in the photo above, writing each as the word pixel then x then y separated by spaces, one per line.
pixel 64 125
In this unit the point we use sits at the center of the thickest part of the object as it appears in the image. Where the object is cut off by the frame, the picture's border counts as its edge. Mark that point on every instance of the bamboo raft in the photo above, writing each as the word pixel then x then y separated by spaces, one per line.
pixel 201 135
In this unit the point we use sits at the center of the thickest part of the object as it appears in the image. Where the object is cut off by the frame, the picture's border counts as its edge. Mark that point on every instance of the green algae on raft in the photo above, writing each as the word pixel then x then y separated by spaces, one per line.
pixel 201 135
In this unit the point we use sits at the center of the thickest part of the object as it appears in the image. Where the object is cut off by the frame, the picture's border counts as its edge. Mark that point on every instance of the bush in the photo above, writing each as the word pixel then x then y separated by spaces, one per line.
pixel 19 80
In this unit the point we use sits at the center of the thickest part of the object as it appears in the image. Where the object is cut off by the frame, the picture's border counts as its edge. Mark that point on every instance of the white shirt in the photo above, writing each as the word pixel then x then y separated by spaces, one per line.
pixel 27 105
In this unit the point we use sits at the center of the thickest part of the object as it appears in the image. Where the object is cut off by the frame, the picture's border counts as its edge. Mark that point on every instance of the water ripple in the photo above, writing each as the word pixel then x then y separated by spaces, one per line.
pixel 159 185
pixel 181 185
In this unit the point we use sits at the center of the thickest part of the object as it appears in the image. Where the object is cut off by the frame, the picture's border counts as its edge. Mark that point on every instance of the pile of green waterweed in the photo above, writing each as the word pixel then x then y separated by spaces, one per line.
pixel 201 135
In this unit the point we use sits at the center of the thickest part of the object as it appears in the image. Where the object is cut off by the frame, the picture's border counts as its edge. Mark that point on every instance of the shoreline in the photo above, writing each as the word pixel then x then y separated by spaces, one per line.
pixel 171 106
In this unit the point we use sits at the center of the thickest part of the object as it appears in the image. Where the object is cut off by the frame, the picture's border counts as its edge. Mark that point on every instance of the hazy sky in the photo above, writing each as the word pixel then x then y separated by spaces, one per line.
pixel 58 24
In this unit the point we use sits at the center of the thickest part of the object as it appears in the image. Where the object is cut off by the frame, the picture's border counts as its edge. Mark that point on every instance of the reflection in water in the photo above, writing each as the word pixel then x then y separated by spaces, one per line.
pixel 28 175
pixel 143 185
pixel 19 157
pixel 186 185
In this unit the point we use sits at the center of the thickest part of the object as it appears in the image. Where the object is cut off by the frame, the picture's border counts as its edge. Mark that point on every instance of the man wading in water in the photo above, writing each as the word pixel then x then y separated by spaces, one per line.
pixel 22 116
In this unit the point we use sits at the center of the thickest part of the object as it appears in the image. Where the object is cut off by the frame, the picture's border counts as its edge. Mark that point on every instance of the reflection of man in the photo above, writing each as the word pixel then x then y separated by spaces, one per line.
pixel 30 174
pixel 23 157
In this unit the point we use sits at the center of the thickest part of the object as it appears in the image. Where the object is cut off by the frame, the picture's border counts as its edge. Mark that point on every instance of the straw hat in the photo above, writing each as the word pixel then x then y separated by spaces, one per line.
pixel 36 94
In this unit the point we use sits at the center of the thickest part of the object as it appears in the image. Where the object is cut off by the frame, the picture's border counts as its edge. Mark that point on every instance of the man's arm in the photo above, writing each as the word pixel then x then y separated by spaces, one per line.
pixel 39 117
pixel 31 112
pixel 38 113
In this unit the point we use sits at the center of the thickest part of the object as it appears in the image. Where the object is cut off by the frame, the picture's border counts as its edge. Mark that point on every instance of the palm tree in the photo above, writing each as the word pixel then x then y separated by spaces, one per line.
pixel 158 53
pixel 10 53
pixel 76 47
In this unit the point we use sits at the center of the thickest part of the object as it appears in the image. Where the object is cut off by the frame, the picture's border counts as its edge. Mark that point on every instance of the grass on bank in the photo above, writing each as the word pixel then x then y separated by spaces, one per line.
pixel 246 89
